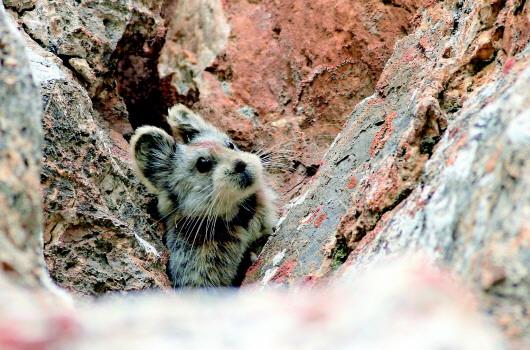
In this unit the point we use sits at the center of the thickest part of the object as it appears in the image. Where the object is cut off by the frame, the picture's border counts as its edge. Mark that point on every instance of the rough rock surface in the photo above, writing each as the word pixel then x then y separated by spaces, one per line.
pixel 83 34
pixel 289 73
pixel 20 142
pixel 98 234
pixel 436 160
pixel 124 62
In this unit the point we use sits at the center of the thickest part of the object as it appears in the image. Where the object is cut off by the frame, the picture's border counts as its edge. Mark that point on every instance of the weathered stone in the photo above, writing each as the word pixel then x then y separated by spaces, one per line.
pixel 81 67
pixel 20 5
pixel 198 34
pixel 20 143
pixel 389 185
pixel 98 234
pixel 472 210
pixel 79 29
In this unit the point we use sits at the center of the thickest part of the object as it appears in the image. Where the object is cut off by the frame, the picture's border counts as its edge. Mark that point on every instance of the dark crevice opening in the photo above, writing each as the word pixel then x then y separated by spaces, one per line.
pixel 136 74
pixel 135 77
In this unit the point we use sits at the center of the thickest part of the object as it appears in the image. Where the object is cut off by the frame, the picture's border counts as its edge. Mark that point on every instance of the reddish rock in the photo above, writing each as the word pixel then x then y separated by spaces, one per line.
pixel 445 175
pixel 291 73
pixel 284 271
pixel 383 134
pixel 320 219
pixel 352 183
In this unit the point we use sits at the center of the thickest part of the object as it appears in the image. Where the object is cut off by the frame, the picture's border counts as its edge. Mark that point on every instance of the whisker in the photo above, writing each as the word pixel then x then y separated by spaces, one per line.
pixel 174 210
pixel 211 222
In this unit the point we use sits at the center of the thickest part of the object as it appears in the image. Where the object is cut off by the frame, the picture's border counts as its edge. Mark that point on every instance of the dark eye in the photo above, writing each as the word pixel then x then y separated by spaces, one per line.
pixel 204 165
pixel 230 145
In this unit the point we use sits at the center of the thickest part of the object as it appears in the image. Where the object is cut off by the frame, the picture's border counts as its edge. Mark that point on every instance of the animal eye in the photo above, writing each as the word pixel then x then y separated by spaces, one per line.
pixel 230 145
pixel 204 165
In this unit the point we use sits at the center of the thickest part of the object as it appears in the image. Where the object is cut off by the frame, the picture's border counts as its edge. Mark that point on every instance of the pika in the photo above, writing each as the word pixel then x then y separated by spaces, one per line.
pixel 214 198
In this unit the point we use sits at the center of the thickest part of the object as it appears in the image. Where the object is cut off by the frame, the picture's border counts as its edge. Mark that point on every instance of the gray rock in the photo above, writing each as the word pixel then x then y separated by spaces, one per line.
pixel 20 143
pixel 20 5
pixel 388 185
pixel 98 235
pixel 472 210
pixel 78 29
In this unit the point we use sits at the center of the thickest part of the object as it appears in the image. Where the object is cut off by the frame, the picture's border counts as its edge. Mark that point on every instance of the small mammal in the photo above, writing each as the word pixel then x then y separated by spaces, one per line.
pixel 214 198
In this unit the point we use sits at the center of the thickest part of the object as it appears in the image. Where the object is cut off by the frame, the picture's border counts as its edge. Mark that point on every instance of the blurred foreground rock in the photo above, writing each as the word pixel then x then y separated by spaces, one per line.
pixel 376 310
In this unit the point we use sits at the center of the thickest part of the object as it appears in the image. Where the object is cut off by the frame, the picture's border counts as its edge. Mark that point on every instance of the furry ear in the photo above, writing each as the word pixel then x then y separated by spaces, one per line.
pixel 153 150
pixel 186 124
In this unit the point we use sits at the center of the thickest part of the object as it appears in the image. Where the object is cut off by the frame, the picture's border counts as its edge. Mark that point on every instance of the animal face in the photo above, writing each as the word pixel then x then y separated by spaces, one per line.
pixel 199 169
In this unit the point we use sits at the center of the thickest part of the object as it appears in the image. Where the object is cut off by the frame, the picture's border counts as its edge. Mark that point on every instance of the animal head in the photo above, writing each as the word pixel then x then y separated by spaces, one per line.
pixel 198 168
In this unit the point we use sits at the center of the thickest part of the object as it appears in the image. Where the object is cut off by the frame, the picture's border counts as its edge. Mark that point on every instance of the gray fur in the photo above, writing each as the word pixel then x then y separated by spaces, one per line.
pixel 211 216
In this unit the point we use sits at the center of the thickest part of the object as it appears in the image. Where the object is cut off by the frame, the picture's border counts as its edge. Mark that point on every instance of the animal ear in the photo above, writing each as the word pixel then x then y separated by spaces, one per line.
pixel 153 151
pixel 186 124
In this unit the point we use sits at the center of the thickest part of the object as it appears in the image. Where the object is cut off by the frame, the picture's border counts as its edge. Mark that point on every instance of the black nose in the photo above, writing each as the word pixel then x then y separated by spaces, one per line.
pixel 240 166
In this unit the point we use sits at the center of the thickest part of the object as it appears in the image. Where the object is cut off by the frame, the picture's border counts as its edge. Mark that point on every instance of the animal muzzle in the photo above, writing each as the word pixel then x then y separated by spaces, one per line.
pixel 242 173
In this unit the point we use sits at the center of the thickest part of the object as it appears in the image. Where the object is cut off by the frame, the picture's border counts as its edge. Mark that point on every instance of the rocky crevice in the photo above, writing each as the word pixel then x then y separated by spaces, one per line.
pixel 135 59
pixel 378 191
pixel 136 77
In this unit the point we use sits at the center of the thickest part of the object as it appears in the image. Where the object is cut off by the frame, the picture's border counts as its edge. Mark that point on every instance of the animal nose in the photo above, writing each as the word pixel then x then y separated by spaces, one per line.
pixel 240 166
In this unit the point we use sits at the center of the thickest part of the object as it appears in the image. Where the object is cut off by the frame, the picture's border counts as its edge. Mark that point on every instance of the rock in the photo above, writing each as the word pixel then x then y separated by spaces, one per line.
pixel 88 30
pixel 81 67
pixel 300 68
pixel 198 34
pixel 339 316
pixel 433 158
pixel 432 162
pixel 20 142
pixel 20 5
pixel 98 234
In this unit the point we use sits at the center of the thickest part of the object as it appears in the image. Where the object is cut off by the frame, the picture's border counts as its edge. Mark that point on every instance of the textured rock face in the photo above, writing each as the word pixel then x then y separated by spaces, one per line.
pixel 98 233
pixel 434 161
pixel 472 210
pixel 289 73
pixel 20 141
pixel 83 33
